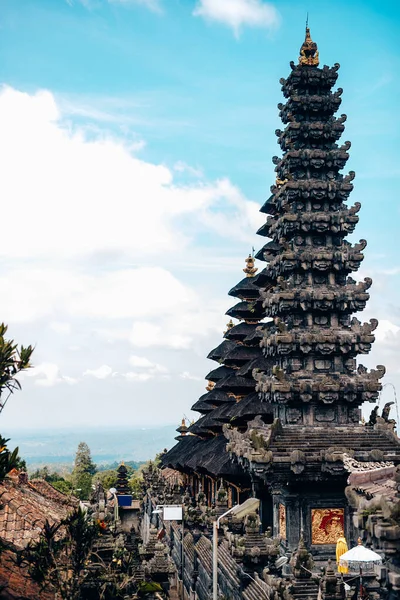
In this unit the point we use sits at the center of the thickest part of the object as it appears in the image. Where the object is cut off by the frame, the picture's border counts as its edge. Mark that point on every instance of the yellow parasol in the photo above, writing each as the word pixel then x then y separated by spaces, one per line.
pixel 341 548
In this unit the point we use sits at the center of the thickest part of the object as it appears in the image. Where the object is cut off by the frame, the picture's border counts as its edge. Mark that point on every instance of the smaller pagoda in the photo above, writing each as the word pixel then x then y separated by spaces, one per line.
pixel 122 483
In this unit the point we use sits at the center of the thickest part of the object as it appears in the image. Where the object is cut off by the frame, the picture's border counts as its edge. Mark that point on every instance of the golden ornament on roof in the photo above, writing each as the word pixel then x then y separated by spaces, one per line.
pixel 229 326
pixel 250 269
pixel 210 386
pixel 280 182
pixel 309 54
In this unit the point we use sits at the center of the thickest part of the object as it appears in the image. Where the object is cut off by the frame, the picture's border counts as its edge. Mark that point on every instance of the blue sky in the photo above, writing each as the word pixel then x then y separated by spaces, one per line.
pixel 136 143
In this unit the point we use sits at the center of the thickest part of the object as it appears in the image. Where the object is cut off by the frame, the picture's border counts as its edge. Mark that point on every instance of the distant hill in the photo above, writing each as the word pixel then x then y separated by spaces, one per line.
pixel 56 448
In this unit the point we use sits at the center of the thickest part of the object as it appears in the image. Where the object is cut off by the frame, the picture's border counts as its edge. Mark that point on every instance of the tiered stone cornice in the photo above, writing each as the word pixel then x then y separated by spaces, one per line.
pixel 306 79
pixel 320 193
pixel 317 341
pixel 344 259
pixel 287 300
pixel 310 106
pixel 309 161
pixel 340 222
pixel 320 388
pixel 319 133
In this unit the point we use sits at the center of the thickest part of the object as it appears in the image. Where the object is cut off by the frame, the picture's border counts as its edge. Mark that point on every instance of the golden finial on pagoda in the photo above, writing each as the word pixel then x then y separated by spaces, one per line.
pixel 210 386
pixel 309 54
pixel 250 269
pixel 229 326
pixel 182 429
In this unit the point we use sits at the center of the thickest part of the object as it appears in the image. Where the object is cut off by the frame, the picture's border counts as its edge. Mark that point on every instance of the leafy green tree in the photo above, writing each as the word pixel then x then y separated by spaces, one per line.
pixel 108 479
pixel 55 479
pixel 82 485
pixel 83 459
pixel 57 560
pixel 83 471
pixel 42 473
pixel 63 486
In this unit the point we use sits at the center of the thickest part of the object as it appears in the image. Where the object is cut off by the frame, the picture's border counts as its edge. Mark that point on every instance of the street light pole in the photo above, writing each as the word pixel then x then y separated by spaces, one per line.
pixel 215 552
pixel 240 510
pixel 183 558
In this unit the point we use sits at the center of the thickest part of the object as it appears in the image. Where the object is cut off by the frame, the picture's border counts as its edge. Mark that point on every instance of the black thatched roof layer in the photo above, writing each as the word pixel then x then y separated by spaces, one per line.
pixel 254 338
pixel 258 363
pixel 264 279
pixel 219 373
pixel 266 207
pixel 248 311
pixel 202 407
pixel 240 331
pixel 268 251
pixel 222 350
pixel 246 288
pixel 237 385
pixel 184 448
pixel 214 459
pixel 249 407
pixel 216 397
pixel 241 354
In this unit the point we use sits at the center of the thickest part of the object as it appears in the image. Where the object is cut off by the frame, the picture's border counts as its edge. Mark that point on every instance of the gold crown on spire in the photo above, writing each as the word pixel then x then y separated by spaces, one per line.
pixel 250 269
pixel 309 54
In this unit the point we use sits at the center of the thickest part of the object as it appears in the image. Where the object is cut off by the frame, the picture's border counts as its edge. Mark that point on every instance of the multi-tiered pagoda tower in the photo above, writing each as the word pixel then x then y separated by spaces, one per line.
pixel 289 367
pixel 231 398
pixel 310 377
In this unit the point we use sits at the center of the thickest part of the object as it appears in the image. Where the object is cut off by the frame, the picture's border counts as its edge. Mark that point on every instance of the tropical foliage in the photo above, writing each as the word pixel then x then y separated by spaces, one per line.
pixel 58 559
pixel 13 360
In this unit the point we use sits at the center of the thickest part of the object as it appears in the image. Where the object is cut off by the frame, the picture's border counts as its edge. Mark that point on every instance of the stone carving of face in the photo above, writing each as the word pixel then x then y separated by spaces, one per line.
pixel 321 265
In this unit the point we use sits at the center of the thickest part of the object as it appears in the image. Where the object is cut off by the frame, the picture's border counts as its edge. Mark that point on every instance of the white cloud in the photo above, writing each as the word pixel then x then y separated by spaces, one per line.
pixel 187 375
pixel 97 228
pixel 145 334
pixel 48 374
pixel 238 13
pixel 182 167
pixel 144 363
pixel 387 332
pixel 33 293
pixel 101 373
pixel 140 361
pixel 60 327
pixel 93 196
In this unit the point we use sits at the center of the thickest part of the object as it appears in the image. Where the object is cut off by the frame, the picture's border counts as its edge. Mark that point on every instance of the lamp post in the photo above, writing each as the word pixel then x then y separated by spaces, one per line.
pixel 171 512
pixel 240 510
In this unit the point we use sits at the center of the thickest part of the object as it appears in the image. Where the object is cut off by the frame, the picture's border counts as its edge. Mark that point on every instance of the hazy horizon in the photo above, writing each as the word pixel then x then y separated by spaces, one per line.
pixel 58 446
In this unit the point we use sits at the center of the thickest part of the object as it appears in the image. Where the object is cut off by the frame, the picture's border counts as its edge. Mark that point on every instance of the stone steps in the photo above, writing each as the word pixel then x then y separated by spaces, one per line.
pixel 305 589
